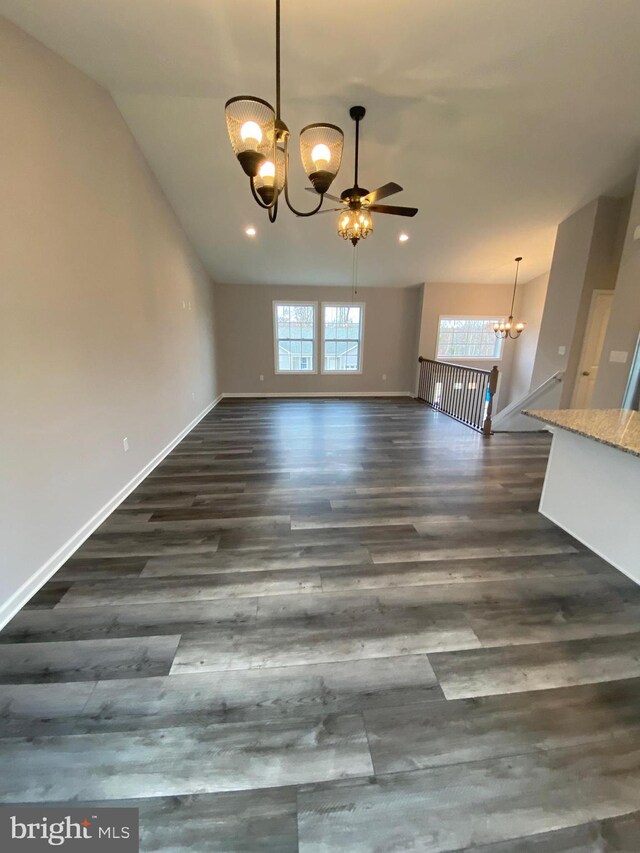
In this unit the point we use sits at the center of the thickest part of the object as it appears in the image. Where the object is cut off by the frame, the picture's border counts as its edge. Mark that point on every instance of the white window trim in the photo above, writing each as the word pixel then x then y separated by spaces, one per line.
pixel 492 358
pixel 357 372
pixel 276 360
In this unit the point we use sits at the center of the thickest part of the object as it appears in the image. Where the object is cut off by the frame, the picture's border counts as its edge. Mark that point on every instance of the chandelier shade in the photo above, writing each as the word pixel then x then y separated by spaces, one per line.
pixel 321 147
pixel 355 225
pixel 251 127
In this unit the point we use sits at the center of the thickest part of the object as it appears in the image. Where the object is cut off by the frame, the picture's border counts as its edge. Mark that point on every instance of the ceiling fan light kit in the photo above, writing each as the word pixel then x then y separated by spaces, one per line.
pixel 355 225
pixel 507 328
pixel 260 140
pixel 355 222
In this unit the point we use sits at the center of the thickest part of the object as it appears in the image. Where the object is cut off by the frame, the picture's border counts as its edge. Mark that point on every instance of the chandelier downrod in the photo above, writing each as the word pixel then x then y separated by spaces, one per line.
pixel 277 60
pixel 509 329
pixel 515 284
pixel 358 120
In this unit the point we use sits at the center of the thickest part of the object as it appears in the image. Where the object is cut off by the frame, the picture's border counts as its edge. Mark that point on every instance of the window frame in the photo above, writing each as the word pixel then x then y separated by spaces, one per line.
pixel 276 340
pixel 491 318
pixel 357 372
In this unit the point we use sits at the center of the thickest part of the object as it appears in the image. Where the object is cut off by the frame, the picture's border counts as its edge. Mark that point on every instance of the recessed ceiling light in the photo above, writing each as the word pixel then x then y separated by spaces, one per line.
pixel 250 231
pixel 403 238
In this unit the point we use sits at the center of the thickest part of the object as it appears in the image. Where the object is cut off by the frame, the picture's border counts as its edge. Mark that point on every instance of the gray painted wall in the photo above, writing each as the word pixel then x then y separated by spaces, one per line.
pixel 585 257
pixel 529 307
pixel 96 344
pixel 244 317
pixel 624 322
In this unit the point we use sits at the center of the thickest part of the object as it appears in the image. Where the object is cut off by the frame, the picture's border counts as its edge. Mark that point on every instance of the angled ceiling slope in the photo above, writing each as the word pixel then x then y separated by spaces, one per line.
pixel 497 119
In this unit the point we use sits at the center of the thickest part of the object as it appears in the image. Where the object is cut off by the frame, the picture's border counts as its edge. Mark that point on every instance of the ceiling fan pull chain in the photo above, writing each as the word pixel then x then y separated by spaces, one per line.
pixel 354 274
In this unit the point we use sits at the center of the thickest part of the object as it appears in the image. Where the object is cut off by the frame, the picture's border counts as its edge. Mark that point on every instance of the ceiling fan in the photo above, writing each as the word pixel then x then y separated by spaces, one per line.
pixel 355 222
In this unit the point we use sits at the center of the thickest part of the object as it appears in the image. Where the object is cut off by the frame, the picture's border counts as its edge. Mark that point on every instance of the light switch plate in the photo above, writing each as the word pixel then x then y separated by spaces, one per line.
pixel 636 233
pixel 619 356
pixel 562 350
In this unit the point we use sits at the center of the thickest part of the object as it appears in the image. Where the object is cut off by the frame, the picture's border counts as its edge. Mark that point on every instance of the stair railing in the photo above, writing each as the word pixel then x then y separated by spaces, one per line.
pixel 464 393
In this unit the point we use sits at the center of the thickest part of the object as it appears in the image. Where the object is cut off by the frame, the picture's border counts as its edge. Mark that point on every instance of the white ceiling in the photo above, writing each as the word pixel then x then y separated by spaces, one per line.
pixel 499 117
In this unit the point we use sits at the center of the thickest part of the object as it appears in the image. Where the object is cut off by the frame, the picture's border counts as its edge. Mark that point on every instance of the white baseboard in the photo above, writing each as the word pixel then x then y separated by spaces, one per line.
pixel 261 394
pixel 22 595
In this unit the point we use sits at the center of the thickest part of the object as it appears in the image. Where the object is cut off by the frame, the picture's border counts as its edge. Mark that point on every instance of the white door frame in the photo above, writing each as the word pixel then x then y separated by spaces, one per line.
pixel 592 346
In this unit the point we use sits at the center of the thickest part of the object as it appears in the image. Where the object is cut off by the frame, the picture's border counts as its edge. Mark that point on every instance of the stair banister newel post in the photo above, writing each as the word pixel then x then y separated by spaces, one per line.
pixel 493 384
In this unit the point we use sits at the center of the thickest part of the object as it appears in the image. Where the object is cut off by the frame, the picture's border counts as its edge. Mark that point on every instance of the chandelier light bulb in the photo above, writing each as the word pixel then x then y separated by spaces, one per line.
pixel 321 156
pixel 268 173
pixel 251 134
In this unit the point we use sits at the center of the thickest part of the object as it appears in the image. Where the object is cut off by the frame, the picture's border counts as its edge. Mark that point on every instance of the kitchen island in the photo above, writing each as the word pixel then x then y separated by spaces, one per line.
pixel 592 484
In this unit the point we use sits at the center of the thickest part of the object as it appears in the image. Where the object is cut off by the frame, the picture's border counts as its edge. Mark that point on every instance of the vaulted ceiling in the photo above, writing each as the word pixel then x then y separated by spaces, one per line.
pixel 499 118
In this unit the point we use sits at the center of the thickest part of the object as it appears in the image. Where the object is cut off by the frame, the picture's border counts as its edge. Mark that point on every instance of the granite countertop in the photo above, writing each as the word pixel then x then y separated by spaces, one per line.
pixel 618 428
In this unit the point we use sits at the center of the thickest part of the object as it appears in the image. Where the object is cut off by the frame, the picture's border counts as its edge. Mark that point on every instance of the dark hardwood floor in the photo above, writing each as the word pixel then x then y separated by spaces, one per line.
pixel 334 626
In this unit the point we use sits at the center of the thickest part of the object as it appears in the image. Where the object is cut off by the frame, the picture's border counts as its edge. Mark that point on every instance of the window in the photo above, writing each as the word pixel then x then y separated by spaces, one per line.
pixel 294 329
pixel 468 337
pixel 342 326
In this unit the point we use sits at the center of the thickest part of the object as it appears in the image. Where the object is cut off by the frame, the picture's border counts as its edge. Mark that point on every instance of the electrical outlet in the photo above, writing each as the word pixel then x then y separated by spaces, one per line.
pixel 189 305
pixel 193 395
pixel 384 377
pixel 562 350
pixel 125 444
pixel 262 377
pixel 618 356
pixel 184 305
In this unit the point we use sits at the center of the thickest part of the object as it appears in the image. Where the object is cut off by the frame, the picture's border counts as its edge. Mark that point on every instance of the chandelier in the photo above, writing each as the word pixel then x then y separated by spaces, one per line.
pixel 509 329
pixel 260 141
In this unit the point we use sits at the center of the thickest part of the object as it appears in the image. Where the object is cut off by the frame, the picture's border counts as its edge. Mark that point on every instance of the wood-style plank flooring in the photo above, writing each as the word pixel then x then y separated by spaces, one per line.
pixel 334 625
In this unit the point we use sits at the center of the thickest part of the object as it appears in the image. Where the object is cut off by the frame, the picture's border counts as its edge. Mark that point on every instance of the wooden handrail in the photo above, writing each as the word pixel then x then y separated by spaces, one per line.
pixel 454 364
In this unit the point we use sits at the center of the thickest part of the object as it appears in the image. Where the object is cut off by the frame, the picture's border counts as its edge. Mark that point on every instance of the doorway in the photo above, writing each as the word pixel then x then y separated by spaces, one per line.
pixel 592 345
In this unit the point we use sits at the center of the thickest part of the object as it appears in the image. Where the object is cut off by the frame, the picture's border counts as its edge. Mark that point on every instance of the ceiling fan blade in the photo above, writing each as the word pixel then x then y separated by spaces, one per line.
pixel 392 208
pixel 326 195
pixel 382 192
pixel 330 210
